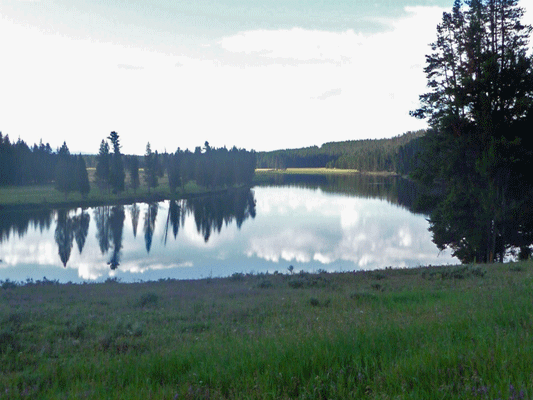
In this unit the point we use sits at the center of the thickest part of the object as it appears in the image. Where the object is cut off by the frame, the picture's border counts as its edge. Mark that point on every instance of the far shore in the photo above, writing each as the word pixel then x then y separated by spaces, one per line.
pixel 46 196
pixel 16 198
pixel 321 171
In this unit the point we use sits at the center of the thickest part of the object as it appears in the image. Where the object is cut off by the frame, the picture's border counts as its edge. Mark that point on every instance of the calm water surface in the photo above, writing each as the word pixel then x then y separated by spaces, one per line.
pixel 312 223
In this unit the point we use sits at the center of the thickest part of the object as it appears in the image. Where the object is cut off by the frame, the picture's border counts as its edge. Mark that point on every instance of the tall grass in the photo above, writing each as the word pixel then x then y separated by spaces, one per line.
pixel 424 333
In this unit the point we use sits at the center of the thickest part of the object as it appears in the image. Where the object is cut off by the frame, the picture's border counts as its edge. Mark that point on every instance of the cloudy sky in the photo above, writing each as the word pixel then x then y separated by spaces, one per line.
pixel 258 74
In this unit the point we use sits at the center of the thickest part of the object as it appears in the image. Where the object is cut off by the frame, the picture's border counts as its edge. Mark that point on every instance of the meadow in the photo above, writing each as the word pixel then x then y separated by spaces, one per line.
pixel 444 332
pixel 46 196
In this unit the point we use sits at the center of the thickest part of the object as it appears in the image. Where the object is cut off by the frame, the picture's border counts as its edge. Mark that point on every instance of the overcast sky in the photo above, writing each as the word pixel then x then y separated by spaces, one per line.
pixel 257 74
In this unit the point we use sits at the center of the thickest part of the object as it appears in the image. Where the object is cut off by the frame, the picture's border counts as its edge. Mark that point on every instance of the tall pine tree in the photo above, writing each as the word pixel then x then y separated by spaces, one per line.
pixel 480 76
pixel 116 170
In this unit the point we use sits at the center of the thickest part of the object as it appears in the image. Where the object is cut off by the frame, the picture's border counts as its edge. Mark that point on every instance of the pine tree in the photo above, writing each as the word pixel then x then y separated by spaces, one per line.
pixel 103 165
pixel 480 78
pixel 133 167
pixel 82 178
pixel 116 170
pixel 65 176
pixel 150 168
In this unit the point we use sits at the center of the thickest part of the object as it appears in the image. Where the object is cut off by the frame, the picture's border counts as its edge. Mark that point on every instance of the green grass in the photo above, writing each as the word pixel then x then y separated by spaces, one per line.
pixel 47 196
pixel 316 171
pixel 426 333
pixel 307 171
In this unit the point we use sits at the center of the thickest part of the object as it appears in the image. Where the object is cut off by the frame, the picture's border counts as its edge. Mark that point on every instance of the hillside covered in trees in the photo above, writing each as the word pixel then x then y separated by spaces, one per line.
pixel 393 155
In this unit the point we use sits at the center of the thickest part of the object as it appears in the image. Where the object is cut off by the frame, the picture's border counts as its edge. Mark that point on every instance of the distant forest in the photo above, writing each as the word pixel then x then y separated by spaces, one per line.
pixel 396 154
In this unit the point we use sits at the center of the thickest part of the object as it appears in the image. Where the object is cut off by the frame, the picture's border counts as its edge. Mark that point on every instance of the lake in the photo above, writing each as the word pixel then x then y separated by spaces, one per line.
pixel 330 223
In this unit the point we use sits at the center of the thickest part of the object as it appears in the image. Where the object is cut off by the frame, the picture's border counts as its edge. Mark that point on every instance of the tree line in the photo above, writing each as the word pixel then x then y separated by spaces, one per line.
pixel 21 164
pixel 209 167
pixel 393 155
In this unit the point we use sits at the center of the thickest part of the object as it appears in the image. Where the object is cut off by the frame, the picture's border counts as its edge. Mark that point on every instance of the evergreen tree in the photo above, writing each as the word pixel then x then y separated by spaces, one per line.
pixel 174 170
pixel 481 97
pixel 82 178
pixel 133 167
pixel 65 171
pixel 116 170
pixel 103 166
pixel 150 168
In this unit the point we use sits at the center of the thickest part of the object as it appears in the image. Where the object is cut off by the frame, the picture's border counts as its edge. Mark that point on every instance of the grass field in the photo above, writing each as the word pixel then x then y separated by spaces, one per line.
pixel 455 332
pixel 319 171
pixel 47 196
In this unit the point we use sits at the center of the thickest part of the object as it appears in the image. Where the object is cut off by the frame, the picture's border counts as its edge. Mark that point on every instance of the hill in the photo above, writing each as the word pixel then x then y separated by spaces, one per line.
pixel 393 155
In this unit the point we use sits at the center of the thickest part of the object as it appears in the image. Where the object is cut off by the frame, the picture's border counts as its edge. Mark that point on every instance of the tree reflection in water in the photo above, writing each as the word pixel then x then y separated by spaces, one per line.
pixel 175 218
pixel 64 235
pixel 116 224
pixel 134 214
pixel 101 217
pixel 70 228
pixel 149 224
pixel 210 214
pixel 81 229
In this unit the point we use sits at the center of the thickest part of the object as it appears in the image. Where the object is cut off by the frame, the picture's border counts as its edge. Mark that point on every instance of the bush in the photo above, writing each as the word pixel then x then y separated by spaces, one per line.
pixel 7 284
pixel 237 276
pixel 264 284
pixel 147 299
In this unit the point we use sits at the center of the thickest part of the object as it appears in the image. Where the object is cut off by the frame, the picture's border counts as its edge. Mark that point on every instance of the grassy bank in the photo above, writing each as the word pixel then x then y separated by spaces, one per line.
pixel 38 196
pixel 319 171
pixel 427 333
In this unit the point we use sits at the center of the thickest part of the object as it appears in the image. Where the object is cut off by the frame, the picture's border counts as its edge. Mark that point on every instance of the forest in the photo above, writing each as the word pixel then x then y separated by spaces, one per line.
pixel 395 154
pixel 209 167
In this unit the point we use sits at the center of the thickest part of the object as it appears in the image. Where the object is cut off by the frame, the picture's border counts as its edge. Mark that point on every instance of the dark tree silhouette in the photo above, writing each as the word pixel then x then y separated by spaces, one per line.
pixel 480 78
pixel 133 168
pixel 81 229
pixel 103 234
pixel 134 213
pixel 82 178
pixel 149 224
pixel 64 236
pixel 116 224
pixel 103 166
pixel 66 179
pixel 150 168
pixel 116 170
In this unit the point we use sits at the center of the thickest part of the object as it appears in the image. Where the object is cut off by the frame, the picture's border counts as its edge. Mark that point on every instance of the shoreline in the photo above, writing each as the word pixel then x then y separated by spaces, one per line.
pixel 96 199
pixel 35 197
pixel 448 270
pixel 321 171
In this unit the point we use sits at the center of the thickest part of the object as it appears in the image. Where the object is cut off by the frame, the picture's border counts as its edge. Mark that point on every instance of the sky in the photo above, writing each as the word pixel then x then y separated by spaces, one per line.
pixel 261 75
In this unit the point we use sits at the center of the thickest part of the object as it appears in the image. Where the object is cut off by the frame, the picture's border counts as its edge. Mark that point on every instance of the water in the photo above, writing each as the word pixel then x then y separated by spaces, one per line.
pixel 312 223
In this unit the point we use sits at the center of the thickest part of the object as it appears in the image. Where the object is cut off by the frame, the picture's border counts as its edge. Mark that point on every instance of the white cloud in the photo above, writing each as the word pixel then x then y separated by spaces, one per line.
pixel 257 89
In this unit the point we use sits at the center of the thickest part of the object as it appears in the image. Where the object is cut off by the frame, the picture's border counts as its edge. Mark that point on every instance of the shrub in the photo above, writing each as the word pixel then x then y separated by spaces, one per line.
pixel 147 299
pixel 7 284
pixel 237 276
pixel 265 284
